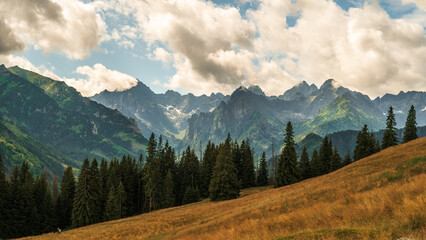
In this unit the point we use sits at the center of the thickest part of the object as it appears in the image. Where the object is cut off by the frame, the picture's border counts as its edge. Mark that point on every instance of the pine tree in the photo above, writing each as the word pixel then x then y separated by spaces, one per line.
pixel 207 165
pixel 247 165
pixel 224 184
pixel 95 192
pixel 191 195
pixel 121 199
pixel 287 164
pixel 44 205
pixel 389 136
pixel 111 210
pixel 336 161
pixel 84 211
pixel 152 175
pixel 366 144
pixel 410 132
pixel 18 219
pixel 29 211
pixel 262 174
pixel 66 198
pixel 325 153
pixel 316 165
pixel 305 165
pixel 4 204
pixel 169 187
pixel 347 160
pixel 103 183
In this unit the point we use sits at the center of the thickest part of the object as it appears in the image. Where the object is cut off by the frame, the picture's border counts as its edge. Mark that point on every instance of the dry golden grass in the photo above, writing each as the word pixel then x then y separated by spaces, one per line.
pixel 379 197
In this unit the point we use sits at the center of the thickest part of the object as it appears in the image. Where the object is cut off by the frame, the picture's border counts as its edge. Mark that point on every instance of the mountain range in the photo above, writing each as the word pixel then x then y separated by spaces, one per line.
pixel 49 120
pixel 249 113
pixel 52 125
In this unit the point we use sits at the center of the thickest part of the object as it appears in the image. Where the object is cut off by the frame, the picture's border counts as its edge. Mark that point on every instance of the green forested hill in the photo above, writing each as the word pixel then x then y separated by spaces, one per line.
pixel 58 116
pixel 16 146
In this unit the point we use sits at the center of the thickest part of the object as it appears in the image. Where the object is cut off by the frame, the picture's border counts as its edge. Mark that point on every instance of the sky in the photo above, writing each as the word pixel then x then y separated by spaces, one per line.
pixel 200 47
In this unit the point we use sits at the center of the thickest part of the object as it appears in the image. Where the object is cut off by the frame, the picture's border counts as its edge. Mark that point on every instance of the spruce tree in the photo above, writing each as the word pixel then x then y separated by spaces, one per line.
pixel 121 199
pixel 29 210
pixel 103 183
pixel 262 174
pixel 287 164
pixel 207 165
pixel 191 195
pixel 410 132
pixel 66 198
pixel 325 153
pixel 44 205
pixel 305 165
pixel 169 187
pixel 95 191
pixel 347 160
pixel 389 136
pixel 224 184
pixel 336 161
pixel 18 219
pixel 111 210
pixel 84 211
pixel 366 144
pixel 316 165
pixel 247 165
pixel 4 203
pixel 152 176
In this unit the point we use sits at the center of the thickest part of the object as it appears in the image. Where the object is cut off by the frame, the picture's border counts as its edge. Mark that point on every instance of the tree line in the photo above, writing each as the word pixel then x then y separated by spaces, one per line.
pixel 290 170
pixel 120 188
pixel 126 187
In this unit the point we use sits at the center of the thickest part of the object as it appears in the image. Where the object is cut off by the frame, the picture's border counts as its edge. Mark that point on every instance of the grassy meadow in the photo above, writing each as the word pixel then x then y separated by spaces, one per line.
pixel 379 197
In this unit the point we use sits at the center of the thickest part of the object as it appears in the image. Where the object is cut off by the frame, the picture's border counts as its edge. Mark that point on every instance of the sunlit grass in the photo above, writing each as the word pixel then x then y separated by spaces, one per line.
pixel 379 197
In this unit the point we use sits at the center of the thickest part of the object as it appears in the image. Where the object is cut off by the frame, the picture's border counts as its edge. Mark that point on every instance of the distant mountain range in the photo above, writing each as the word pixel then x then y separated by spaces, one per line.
pixel 249 113
pixel 53 122
pixel 164 114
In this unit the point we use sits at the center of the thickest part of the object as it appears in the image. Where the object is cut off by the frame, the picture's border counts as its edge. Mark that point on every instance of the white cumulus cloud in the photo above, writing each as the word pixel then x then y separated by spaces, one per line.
pixel 70 27
pixel 100 78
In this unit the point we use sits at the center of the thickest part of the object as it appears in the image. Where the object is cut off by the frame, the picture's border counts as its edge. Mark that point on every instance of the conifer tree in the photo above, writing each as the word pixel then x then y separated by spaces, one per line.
pixel 4 204
pixel 347 160
pixel 207 165
pixel 410 132
pixel 224 184
pixel 262 174
pixel 366 144
pixel 336 161
pixel 43 204
pixel 103 183
pixel 17 222
pixel 121 199
pixel 325 153
pixel 169 187
pixel 287 164
pixel 152 175
pixel 84 211
pixel 55 190
pixel 66 198
pixel 305 165
pixel 247 165
pixel 389 136
pixel 95 192
pixel 29 211
pixel 316 165
pixel 190 181
pixel 111 210
pixel 191 195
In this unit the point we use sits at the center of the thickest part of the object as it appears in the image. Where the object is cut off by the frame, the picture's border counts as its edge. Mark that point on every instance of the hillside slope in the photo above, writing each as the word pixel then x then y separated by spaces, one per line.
pixel 379 197
pixel 59 117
